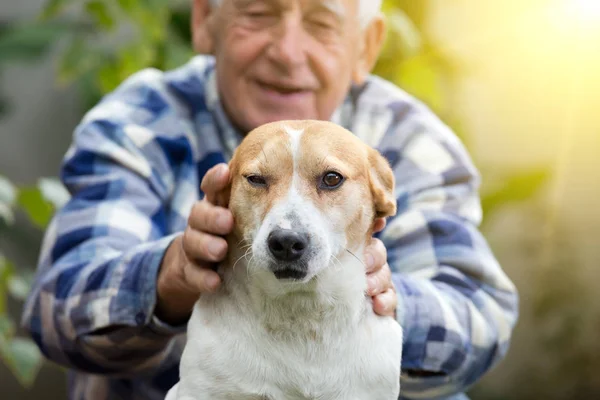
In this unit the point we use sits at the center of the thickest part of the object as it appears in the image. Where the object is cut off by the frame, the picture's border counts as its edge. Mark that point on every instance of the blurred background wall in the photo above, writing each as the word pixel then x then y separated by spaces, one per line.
pixel 517 80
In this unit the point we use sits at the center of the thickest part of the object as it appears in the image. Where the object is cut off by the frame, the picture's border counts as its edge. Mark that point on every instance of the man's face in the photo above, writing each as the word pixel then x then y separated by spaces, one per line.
pixel 285 59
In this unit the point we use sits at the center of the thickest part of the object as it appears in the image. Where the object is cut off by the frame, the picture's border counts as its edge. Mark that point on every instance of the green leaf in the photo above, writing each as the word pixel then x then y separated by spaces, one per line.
pixel 8 191
pixel 54 192
pixel 179 25
pixel 108 78
pixel 18 287
pixel 37 208
pixel 7 327
pixel 78 59
pixel 6 269
pixel 153 22
pixel 23 357
pixel 129 6
pixel 53 8
pixel 7 272
pixel 99 12
pixel 8 194
pixel 134 58
pixel 3 298
pixel 515 188
pixel 176 54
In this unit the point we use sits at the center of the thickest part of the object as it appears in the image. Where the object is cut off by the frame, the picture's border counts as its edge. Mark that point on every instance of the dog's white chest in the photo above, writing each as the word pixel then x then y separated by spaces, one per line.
pixel 236 358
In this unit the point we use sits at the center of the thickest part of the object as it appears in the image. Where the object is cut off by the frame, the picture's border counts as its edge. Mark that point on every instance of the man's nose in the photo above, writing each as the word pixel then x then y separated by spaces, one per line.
pixel 287 245
pixel 288 47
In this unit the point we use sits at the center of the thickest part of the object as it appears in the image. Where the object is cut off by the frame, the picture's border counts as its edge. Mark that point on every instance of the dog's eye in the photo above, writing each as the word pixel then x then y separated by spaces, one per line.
pixel 331 180
pixel 257 180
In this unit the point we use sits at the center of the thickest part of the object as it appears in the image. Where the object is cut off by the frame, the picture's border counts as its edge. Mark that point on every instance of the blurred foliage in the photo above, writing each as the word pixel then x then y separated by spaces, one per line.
pixel 412 60
pixel 102 42
pixel 38 202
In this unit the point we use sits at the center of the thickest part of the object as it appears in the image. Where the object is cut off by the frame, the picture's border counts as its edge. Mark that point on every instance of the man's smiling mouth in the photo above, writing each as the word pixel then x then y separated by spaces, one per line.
pixel 283 89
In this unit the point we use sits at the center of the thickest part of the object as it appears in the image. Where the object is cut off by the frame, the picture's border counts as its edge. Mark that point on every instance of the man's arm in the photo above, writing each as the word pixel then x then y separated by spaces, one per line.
pixel 455 303
pixel 93 301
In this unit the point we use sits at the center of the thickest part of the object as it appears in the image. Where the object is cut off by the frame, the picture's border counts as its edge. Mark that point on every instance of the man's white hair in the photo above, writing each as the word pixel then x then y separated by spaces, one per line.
pixel 367 9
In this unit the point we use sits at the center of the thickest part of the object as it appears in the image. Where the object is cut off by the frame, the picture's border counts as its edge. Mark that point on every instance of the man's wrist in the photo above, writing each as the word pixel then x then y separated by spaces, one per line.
pixel 174 300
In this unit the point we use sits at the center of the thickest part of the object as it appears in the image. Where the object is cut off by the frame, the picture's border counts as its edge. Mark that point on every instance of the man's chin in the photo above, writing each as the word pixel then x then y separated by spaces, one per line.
pixel 256 121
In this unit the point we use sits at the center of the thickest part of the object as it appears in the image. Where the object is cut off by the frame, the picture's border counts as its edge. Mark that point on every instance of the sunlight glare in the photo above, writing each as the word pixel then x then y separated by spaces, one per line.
pixel 587 9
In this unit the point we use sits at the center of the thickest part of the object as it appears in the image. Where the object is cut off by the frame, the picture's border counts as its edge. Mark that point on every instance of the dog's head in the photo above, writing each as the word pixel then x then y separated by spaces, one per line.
pixel 303 193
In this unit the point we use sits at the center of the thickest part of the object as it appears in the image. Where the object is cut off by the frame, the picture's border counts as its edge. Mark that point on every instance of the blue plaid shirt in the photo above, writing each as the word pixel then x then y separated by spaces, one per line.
pixel 134 172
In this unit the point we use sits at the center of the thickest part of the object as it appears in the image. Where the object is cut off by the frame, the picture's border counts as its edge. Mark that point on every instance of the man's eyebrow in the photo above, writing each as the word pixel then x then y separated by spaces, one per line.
pixel 246 3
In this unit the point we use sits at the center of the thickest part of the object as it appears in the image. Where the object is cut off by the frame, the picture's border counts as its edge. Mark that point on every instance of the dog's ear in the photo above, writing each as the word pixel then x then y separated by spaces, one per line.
pixel 381 180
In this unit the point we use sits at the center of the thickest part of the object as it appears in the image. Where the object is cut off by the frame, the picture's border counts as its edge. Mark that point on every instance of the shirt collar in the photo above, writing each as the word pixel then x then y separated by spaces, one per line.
pixel 230 135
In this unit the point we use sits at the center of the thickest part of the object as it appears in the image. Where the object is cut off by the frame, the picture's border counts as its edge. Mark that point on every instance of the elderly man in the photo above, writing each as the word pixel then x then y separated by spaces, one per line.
pixel 124 261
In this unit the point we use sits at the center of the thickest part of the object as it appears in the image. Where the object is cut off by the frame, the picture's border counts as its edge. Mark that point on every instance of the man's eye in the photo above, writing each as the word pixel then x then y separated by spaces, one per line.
pixel 257 180
pixel 257 14
pixel 258 19
pixel 331 180
pixel 322 25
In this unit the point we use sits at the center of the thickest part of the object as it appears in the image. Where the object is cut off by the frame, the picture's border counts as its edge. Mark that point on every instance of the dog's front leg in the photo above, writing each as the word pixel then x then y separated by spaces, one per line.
pixel 172 393
pixel 201 392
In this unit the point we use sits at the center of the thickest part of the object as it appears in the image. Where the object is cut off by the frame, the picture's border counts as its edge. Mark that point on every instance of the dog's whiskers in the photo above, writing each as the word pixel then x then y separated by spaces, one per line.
pixel 248 276
pixel 354 255
pixel 337 264
pixel 336 261
pixel 245 255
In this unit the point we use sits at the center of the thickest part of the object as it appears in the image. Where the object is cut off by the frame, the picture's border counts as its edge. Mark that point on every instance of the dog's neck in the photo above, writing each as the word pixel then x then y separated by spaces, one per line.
pixel 332 303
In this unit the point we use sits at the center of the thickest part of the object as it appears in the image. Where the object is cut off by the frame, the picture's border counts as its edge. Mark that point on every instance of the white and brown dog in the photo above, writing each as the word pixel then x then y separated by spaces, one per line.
pixel 291 320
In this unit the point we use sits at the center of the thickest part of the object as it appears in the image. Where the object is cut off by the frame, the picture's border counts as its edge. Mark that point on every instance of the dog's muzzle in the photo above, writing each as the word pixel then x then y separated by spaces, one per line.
pixel 289 248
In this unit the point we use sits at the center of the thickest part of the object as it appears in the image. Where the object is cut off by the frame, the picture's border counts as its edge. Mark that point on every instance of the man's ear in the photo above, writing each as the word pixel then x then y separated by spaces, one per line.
pixel 373 37
pixel 381 180
pixel 202 27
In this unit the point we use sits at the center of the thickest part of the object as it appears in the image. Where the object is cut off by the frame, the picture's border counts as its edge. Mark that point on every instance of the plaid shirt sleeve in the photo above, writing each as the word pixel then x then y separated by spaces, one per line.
pixel 456 305
pixel 91 307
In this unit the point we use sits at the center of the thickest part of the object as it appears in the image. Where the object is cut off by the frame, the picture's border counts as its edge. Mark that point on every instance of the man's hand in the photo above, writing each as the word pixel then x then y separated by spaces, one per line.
pixel 187 269
pixel 379 276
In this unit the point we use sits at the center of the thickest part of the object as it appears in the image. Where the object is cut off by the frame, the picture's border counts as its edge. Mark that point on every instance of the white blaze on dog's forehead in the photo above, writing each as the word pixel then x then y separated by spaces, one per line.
pixel 294 140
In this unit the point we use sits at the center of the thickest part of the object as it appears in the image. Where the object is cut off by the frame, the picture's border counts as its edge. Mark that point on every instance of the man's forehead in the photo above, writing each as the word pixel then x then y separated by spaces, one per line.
pixel 338 7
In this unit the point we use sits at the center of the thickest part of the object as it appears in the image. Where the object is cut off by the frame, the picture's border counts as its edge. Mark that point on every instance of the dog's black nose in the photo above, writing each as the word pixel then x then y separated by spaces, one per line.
pixel 287 245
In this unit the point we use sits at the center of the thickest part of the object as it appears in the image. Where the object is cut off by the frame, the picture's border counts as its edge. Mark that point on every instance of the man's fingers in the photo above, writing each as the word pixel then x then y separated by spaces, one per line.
pixel 375 255
pixel 202 247
pixel 385 303
pixel 201 279
pixel 379 225
pixel 206 217
pixel 214 181
pixel 379 281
